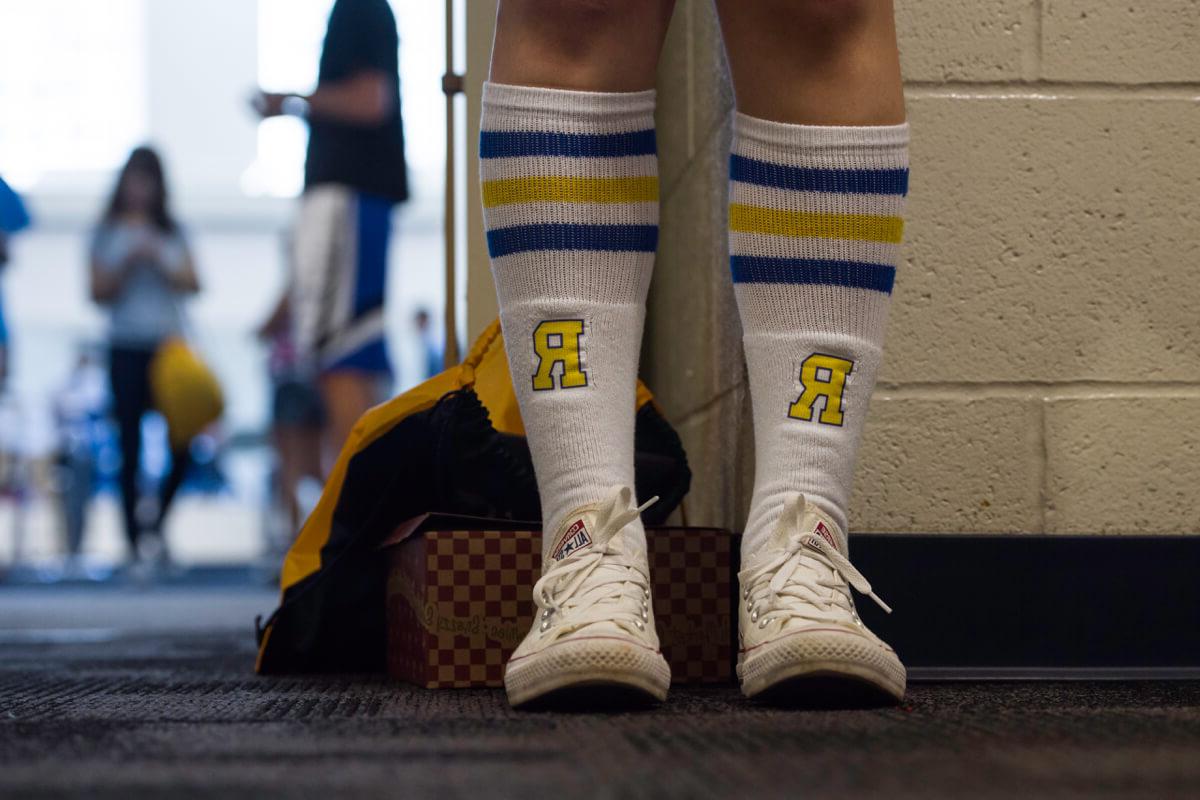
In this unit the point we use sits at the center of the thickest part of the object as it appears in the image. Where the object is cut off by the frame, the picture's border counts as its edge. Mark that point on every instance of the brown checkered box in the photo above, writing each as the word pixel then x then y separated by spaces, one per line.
pixel 459 599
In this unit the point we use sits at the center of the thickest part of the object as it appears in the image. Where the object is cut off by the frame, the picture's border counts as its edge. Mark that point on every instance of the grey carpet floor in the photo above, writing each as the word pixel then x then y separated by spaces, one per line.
pixel 182 715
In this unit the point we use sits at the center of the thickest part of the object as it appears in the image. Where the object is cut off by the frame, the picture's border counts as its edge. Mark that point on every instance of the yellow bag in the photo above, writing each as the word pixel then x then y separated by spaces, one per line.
pixel 185 391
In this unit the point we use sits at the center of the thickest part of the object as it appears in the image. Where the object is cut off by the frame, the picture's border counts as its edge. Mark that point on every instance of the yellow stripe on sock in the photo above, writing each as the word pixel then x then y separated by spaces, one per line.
pixel 564 189
pixel 820 225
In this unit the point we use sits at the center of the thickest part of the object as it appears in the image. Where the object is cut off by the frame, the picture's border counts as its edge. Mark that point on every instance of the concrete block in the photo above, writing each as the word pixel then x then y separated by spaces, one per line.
pixel 948 40
pixel 949 464
pixel 1083 40
pixel 1124 465
pixel 692 348
pixel 1050 240
pixel 694 93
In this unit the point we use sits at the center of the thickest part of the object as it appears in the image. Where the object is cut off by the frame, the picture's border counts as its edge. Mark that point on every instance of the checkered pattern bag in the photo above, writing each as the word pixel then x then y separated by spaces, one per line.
pixel 459 602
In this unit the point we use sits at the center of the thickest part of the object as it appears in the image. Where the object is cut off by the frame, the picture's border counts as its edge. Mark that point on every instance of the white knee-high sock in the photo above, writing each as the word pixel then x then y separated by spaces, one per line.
pixel 814 234
pixel 570 195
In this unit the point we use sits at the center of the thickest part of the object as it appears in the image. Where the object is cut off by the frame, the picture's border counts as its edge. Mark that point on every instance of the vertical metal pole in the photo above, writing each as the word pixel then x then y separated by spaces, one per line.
pixel 451 86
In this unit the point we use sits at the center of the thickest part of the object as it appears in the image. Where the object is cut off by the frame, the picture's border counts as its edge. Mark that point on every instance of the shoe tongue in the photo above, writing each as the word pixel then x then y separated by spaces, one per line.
pixel 578 533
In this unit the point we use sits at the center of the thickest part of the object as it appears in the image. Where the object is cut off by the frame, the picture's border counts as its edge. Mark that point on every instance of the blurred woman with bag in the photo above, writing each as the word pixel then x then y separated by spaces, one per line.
pixel 141 271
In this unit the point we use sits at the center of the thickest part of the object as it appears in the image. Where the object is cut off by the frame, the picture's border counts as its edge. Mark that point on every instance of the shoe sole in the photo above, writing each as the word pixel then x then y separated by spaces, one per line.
pixel 823 667
pixel 596 667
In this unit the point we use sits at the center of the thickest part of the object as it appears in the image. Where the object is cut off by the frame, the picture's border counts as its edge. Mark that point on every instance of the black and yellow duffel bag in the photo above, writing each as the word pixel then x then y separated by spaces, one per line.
pixel 456 444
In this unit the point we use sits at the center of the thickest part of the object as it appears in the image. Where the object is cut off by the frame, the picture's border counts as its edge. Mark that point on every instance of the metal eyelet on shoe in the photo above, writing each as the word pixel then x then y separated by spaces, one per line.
pixel 545 627
pixel 763 624
pixel 645 613
pixel 746 593
pixel 754 616
pixel 641 626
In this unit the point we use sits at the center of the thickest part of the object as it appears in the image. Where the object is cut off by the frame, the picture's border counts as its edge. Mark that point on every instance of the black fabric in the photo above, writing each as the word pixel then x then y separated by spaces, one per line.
pixel 129 371
pixel 448 459
pixel 361 35
pixel 660 465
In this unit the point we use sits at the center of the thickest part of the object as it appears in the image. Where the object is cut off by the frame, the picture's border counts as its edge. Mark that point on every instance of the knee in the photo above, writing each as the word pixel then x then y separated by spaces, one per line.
pixel 833 13
pixel 600 45
pixel 587 17
pixel 579 27
pixel 827 22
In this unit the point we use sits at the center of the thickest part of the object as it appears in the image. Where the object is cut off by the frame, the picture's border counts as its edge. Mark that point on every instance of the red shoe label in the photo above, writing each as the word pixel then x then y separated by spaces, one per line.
pixel 824 533
pixel 576 538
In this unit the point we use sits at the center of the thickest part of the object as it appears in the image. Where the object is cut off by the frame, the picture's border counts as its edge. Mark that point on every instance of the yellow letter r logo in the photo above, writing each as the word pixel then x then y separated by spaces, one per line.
pixel 557 342
pixel 822 376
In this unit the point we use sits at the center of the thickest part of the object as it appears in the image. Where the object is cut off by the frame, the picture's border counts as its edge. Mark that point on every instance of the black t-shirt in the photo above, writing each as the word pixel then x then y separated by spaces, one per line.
pixel 361 35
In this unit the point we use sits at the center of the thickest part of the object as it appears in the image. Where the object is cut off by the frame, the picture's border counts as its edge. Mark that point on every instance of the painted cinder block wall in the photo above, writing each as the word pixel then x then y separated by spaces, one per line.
pixel 1042 369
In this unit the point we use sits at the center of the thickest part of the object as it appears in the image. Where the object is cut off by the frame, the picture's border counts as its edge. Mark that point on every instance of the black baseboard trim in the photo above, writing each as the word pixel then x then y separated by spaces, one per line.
pixel 1024 607
pixel 1049 674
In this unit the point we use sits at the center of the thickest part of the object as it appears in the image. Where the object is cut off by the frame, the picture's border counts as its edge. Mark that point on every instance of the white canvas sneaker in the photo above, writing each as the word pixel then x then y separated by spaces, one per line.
pixel 798 625
pixel 595 624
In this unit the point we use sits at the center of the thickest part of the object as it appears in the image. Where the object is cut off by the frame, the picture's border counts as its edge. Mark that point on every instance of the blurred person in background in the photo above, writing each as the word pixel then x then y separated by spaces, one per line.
pixel 141 271
pixel 78 414
pixel 16 470
pixel 3 325
pixel 432 360
pixel 297 419
pixel 13 218
pixel 355 173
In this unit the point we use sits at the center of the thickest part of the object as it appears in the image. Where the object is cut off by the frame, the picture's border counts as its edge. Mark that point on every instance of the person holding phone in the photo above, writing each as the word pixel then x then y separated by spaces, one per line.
pixel 141 272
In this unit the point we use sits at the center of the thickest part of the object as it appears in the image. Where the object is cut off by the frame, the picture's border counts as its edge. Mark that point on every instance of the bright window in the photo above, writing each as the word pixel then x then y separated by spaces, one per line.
pixel 290 34
pixel 72 88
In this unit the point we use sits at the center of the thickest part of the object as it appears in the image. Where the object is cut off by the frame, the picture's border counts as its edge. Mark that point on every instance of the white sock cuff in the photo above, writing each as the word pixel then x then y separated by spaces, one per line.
pixel 832 137
pixel 533 107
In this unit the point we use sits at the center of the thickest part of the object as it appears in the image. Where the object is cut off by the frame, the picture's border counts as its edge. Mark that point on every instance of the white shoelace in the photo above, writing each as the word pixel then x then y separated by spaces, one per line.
pixel 808 579
pixel 602 585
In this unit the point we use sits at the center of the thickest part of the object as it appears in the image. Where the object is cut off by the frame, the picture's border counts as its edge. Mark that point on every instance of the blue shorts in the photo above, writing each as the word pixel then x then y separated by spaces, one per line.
pixel 340 248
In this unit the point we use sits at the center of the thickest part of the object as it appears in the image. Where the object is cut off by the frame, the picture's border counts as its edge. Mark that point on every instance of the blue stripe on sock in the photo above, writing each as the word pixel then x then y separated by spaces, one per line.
pixel 857 274
pixel 523 238
pixel 513 144
pixel 848 181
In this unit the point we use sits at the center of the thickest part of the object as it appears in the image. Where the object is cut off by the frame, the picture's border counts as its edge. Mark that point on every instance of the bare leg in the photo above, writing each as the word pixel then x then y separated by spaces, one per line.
pixel 181 460
pixel 586 45
pixel 347 395
pixel 814 62
pixel 299 449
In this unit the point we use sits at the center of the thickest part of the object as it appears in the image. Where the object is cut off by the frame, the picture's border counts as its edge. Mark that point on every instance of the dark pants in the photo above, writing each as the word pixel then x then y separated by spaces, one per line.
pixel 129 368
